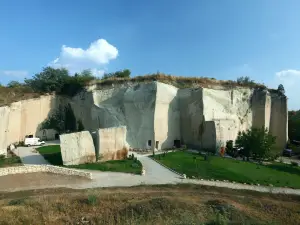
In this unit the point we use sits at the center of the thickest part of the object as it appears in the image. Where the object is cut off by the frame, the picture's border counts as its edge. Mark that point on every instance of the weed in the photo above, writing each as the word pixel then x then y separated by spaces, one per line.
pixel 19 201
pixel 92 200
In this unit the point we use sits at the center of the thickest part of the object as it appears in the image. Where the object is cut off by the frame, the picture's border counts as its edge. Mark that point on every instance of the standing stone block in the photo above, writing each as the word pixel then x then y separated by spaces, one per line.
pixel 77 148
pixel 111 143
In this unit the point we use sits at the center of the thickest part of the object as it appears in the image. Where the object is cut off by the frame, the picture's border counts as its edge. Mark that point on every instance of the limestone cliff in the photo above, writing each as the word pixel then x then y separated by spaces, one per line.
pixel 157 115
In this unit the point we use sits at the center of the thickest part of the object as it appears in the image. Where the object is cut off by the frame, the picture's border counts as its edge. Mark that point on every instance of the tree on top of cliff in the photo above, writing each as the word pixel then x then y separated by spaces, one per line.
pixel 245 81
pixel 14 84
pixel 59 81
pixel 48 80
pixel 280 89
pixel 118 74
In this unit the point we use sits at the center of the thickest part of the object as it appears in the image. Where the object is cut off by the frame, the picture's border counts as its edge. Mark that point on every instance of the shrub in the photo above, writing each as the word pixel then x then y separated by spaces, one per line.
pixel 2 156
pixel 245 81
pixel 92 199
pixel 62 120
pixel 18 201
pixel 230 150
pixel 118 74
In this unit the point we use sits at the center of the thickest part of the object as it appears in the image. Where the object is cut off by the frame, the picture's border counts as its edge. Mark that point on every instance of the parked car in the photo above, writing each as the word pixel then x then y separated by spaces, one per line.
pixel 287 152
pixel 33 141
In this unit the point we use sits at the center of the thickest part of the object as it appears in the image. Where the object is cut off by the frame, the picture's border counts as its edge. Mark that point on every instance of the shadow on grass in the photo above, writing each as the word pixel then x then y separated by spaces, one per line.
pixel 53 158
pixel 285 168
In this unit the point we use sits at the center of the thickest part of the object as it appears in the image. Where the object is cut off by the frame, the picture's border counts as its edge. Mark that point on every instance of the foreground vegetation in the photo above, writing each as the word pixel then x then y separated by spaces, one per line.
pixel 52 154
pixel 11 160
pixel 161 205
pixel 214 167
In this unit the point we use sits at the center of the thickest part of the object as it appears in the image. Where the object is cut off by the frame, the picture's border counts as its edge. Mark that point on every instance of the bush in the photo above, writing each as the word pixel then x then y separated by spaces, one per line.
pixel 62 120
pixel 230 150
pixel 19 201
pixel 119 74
pixel 256 143
pixel 245 81
pixel 92 199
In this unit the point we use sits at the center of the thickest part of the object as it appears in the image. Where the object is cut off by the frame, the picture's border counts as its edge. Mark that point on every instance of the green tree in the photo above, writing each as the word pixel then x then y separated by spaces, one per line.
pixel 281 89
pixel 256 143
pixel 14 84
pixel 294 125
pixel 118 74
pixel 75 84
pixel 245 81
pixel 62 120
pixel 56 121
pixel 86 73
pixel 48 80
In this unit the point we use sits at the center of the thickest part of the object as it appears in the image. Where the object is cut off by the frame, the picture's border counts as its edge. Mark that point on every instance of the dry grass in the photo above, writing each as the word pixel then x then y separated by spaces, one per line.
pixel 177 81
pixel 10 95
pixel 180 204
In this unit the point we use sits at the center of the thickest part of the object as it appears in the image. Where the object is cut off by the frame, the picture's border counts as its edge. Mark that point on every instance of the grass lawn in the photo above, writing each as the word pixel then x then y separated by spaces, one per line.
pixel 10 161
pixel 218 168
pixel 125 166
pixel 53 155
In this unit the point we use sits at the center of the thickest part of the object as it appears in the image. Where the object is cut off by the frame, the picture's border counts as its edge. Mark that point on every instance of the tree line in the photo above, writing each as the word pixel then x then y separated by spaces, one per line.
pixel 62 82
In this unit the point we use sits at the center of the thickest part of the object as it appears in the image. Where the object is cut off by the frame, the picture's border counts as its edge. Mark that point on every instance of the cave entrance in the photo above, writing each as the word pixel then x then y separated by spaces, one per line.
pixel 177 143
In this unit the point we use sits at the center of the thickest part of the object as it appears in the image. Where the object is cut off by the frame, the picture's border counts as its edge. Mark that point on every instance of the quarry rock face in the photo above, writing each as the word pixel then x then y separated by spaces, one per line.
pixel 158 115
pixel 77 148
pixel 110 143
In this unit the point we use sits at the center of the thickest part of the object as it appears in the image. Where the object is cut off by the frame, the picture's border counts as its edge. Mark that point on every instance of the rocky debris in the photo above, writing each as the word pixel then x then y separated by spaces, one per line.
pixel 143 172
pixel 12 147
pixel 77 148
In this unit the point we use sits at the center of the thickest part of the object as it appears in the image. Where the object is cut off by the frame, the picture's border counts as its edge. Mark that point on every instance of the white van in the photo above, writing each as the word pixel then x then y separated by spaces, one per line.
pixel 32 141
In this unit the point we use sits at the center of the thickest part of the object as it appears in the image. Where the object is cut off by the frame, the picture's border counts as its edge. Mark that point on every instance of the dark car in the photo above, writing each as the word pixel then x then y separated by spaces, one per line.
pixel 287 152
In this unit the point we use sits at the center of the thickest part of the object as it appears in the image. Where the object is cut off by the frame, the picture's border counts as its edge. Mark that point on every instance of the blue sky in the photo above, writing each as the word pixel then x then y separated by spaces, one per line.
pixel 211 38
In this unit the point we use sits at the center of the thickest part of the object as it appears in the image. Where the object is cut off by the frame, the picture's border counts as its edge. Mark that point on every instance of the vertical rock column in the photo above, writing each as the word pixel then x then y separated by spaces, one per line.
pixel 279 121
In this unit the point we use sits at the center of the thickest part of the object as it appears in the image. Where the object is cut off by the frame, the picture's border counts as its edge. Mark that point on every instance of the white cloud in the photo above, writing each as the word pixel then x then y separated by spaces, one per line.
pixel 14 73
pixel 95 57
pixel 290 79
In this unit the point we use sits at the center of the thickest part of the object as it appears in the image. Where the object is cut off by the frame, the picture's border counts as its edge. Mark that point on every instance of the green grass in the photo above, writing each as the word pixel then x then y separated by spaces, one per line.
pixel 218 168
pixel 53 155
pixel 11 161
pixel 125 166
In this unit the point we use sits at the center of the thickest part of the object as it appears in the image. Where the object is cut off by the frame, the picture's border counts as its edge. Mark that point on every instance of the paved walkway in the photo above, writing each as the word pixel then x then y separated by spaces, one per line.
pixel 29 156
pixel 155 174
